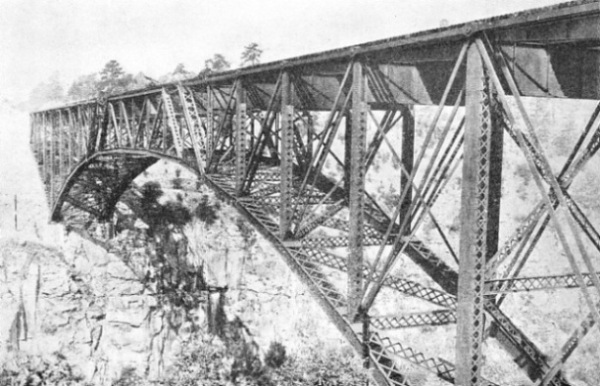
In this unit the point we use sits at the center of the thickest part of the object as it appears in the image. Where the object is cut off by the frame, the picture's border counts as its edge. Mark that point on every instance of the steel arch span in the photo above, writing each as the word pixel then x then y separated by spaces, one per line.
pixel 96 184
pixel 303 147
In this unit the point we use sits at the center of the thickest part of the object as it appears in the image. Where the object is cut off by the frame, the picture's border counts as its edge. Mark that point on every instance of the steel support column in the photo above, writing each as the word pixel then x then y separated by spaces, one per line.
pixel 240 138
pixel 478 221
pixel 408 155
pixel 52 157
pixel 357 189
pixel 347 150
pixel 210 125
pixel 287 153
pixel 44 139
pixel 71 129
pixel 61 129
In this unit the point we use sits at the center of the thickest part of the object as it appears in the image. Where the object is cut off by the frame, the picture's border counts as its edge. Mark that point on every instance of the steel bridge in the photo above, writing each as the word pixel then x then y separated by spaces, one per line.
pixel 250 135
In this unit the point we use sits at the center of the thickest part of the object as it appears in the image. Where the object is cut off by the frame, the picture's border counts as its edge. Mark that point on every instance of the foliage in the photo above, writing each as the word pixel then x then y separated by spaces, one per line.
pixel 50 91
pixel 129 377
pixel 204 362
pixel 180 73
pixel 276 355
pixel 175 213
pixel 231 359
pixel 25 369
pixel 247 232
pixel 111 79
pixel 157 254
pixel 323 367
pixel 251 54
pixel 84 87
pixel 151 191
pixel 218 63
pixel 207 212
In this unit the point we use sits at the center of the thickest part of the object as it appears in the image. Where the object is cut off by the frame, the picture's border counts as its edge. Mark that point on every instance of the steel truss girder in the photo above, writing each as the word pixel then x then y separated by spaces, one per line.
pixel 536 283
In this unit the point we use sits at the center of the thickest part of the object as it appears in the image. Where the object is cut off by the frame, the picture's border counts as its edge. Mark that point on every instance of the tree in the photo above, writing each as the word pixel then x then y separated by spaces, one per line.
pixel 113 79
pixel 251 54
pixel 217 63
pixel 84 87
pixel 50 91
pixel 179 73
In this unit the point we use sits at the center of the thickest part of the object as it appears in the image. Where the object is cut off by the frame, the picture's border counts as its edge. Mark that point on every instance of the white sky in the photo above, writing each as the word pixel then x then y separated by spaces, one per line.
pixel 76 37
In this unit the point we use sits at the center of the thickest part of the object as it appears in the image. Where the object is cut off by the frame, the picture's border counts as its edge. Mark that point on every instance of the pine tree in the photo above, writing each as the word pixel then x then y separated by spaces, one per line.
pixel 113 79
pixel 251 54
pixel 84 87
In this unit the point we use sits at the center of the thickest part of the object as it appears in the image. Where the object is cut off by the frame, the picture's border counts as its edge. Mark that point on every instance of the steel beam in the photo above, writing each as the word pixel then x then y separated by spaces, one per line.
pixel 356 199
pixel 210 124
pixel 407 155
pixel 476 222
pixel 240 138
pixel 286 156
pixel 52 160
pixel 44 144
pixel 61 129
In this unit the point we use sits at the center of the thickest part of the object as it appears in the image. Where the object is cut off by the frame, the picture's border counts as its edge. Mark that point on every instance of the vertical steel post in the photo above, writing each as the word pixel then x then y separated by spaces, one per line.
pixel 286 156
pixel 240 138
pixel 495 188
pixel 44 147
pixel 71 129
pixel 60 143
pixel 52 159
pixel 479 221
pixel 357 189
pixel 32 144
pixel 34 134
pixel 209 124
pixel 407 159
pixel 347 150
pixel 309 138
pixel 78 134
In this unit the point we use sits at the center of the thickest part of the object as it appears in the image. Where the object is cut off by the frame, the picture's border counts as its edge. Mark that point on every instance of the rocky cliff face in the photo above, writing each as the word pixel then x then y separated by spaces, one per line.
pixel 104 315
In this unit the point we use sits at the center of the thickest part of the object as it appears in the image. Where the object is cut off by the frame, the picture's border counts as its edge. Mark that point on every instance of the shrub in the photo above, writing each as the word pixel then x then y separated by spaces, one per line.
pixel 175 213
pixel 35 370
pixel 177 183
pixel 129 377
pixel 206 212
pixel 276 355
pixel 151 192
